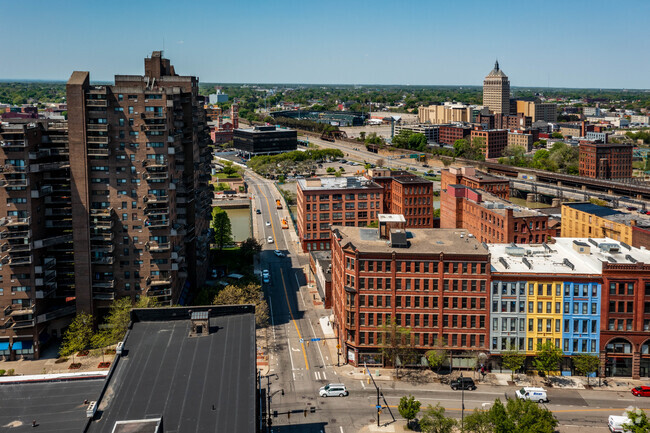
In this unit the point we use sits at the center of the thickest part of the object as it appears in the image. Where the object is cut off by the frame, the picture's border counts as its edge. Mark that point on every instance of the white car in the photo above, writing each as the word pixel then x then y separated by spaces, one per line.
pixel 333 390
pixel 266 278
pixel 268 223
pixel 270 239
pixel 278 253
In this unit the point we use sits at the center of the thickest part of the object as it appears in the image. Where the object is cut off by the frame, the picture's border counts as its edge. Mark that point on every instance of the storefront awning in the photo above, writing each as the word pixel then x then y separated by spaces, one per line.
pixel 4 345
pixel 22 345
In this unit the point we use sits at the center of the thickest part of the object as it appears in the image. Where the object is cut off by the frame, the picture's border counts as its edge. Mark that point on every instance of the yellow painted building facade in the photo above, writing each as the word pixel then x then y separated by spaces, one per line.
pixel 543 314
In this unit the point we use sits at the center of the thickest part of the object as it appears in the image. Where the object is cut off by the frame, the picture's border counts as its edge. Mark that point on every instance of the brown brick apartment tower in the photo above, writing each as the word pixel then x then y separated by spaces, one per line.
pixel 140 194
pixel 36 287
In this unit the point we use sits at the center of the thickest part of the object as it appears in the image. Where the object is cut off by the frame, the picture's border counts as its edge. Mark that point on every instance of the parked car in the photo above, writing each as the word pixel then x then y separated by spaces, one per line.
pixel 641 391
pixel 333 390
pixel 268 223
pixel 533 394
pixel 257 211
pixel 278 253
pixel 269 239
pixel 466 383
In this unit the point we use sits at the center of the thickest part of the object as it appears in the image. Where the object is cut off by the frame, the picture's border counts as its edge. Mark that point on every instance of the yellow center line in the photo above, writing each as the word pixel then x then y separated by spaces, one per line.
pixel 284 286
pixel 610 409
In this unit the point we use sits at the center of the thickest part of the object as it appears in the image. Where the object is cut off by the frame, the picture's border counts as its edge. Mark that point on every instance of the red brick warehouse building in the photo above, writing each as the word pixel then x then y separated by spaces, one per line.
pixel 406 194
pixel 490 218
pixel 625 320
pixel 432 281
pixel 605 161
pixel 349 201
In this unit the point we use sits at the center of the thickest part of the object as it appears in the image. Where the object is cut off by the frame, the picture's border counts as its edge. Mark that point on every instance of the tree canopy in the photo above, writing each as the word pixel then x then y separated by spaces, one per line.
pixel 221 227
pixel 248 294
pixel 548 357
pixel 409 408
pixel 407 139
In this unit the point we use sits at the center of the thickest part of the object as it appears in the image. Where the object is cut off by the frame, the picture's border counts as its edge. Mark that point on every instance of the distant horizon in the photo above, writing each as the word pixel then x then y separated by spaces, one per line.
pixel 554 45
pixel 480 86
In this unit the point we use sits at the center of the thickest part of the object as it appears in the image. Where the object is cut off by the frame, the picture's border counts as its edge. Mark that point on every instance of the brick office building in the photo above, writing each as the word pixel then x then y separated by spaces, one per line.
pixel 321 202
pixel 490 218
pixel 36 272
pixel 625 322
pixel 432 281
pixel 406 194
pixel 449 134
pixel 473 178
pixel 606 161
pixel 494 140
pixel 140 185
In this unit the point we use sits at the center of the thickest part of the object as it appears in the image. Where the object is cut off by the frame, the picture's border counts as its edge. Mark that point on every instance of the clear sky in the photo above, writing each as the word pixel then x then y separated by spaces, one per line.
pixel 570 43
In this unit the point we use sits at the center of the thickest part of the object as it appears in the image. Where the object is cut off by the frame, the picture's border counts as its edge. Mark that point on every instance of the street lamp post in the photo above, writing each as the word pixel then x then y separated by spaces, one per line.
pixel 462 406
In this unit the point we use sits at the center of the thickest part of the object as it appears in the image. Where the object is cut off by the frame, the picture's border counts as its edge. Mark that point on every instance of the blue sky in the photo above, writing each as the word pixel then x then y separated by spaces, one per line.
pixel 571 43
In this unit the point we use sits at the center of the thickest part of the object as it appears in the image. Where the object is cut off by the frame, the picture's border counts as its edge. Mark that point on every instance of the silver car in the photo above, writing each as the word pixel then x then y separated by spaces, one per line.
pixel 333 390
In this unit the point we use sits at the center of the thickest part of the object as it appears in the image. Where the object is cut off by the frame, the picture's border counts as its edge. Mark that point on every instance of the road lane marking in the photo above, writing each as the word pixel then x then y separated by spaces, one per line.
pixel 286 295
pixel 317 345
pixel 300 291
pixel 272 321
pixel 362 384
pixel 324 377
pixel 290 357
pixel 341 427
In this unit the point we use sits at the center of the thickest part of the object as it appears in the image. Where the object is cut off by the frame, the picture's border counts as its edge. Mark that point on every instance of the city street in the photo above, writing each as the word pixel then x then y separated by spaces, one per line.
pixel 299 366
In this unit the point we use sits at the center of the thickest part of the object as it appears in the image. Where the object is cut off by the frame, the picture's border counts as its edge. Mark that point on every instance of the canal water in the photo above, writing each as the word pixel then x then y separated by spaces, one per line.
pixel 240 221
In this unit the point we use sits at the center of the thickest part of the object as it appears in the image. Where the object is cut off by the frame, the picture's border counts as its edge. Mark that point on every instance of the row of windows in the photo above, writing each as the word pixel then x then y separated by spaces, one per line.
pixel 350 196
pixel 339 206
pixel 544 307
pixel 422 267
pixel 582 345
pixel 428 339
pixel 424 284
pixel 339 215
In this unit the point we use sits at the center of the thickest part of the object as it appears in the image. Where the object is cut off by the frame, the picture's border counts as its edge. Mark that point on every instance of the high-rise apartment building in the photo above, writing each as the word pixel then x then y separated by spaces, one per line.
pixel 140 185
pixel 496 91
pixel 36 265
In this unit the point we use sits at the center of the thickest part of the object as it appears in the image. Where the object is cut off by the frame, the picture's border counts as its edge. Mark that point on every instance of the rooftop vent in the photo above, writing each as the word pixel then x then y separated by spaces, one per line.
pixel 609 248
pixel 504 263
pixel 398 239
pixel 200 323
pixel 593 242
pixel 611 259
pixel 630 258
pixel 626 246
pixel 527 263
pixel 568 264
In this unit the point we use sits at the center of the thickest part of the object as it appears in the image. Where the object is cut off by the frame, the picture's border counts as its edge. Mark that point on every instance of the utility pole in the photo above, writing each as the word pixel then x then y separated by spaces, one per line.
pixel 379 395
pixel 268 401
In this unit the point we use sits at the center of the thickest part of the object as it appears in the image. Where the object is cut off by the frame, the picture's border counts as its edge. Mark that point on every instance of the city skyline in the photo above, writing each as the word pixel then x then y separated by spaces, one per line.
pixel 292 42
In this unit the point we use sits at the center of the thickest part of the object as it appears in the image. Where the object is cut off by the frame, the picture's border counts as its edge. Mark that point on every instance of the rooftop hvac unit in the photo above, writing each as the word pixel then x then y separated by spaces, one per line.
pixel 568 264
pixel 527 263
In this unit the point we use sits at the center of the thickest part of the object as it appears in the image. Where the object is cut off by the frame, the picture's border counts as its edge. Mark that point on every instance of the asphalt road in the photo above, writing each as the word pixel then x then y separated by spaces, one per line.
pixel 300 369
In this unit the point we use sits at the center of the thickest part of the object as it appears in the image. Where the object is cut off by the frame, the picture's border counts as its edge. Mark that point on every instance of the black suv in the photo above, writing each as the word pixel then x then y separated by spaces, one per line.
pixel 463 383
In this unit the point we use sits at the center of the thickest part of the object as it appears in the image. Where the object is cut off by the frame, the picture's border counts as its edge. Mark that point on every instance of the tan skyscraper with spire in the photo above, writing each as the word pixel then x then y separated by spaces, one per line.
pixel 496 91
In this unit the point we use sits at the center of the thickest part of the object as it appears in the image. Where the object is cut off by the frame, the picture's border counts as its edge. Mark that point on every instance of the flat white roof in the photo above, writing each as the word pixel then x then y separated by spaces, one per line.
pixel 563 257
pixel 389 217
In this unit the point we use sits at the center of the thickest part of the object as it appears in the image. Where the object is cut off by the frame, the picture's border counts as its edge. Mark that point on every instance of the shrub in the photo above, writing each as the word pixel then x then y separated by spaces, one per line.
pixel 10 372
pixel 2 372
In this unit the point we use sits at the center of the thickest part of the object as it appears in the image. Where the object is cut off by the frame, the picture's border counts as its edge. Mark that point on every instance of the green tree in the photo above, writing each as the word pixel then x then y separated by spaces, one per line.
pixel 249 248
pixel 248 294
pixel 557 135
pixel 395 342
pixel 479 421
pixel 118 319
pixel 330 170
pixel 548 357
pixel 461 148
pixel 409 408
pixel 435 421
pixel 512 360
pixel 528 416
pixel 221 227
pixel 437 357
pixel 78 336
pixel 586 364
pixel 639 422
pixel 229 168
pixel 498 417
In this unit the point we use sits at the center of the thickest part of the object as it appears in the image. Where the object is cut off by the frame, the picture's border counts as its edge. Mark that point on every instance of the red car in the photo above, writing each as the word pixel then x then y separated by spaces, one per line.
pixel 641 391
